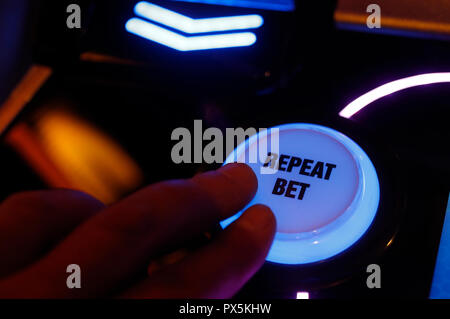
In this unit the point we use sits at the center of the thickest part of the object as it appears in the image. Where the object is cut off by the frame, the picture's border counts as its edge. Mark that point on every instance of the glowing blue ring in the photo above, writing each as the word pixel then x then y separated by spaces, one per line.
pixel 341 233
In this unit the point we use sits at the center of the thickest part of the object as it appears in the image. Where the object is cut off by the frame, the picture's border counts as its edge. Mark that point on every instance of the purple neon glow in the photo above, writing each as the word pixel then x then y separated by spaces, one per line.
pixel 302 295
pixel 392 87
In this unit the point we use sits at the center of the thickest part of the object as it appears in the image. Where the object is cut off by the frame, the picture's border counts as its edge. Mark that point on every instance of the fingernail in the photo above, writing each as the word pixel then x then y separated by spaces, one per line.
pixel 259 217
pixel 241 173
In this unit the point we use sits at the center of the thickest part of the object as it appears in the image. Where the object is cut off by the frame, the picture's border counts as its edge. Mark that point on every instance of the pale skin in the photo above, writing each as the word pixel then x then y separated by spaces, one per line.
pixel 42 232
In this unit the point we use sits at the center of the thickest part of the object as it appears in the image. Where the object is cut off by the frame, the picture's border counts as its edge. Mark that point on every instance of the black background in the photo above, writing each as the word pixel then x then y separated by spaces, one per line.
pixel 301 69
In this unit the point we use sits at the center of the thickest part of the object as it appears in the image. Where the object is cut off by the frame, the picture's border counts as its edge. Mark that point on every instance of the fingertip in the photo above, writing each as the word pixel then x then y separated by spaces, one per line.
pixel 253 232
pixel 260 220
pixel 242 175
pixel 230 188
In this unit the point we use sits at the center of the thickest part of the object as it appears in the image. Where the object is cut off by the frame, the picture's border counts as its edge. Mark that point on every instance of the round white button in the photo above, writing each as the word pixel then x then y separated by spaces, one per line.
pixel 321 186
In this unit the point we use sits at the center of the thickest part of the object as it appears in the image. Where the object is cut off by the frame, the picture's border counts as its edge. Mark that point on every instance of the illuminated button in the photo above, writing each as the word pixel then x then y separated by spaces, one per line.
pixel 320 184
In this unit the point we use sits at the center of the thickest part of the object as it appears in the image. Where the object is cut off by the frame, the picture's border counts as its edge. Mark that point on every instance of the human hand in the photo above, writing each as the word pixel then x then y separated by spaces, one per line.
pixel 43 232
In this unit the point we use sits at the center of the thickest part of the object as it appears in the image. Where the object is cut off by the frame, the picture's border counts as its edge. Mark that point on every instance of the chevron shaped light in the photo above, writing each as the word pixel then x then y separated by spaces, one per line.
pixel 167 23
pixel 179 42
pixel 186 24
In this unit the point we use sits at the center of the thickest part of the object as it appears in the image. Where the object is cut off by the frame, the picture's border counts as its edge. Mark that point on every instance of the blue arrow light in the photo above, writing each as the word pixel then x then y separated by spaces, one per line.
pixel 167 23
pixel 178 42
pixel 186 24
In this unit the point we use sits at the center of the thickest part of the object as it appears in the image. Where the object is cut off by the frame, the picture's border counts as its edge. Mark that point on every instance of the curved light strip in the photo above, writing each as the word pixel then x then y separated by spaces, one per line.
pixel 179 42
pixel 188 25
pixel 392 87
